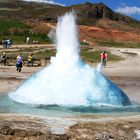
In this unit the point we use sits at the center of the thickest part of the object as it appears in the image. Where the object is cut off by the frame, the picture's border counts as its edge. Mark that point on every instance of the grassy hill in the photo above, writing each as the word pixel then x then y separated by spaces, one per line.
pixel 19 30
pixel 30 19
pixel 7 26
pixel 87 13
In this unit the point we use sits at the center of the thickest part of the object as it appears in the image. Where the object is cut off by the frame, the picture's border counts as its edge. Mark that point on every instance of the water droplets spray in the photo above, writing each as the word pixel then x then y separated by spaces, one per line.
pixel 68 80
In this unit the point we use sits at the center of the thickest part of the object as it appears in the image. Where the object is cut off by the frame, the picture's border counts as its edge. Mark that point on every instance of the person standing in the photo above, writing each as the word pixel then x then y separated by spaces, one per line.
pixel 103 58
pixel 19 62
pixel 8 42
pixel 4 58
pixel 30 59
pixel 5 43
pixel 27 40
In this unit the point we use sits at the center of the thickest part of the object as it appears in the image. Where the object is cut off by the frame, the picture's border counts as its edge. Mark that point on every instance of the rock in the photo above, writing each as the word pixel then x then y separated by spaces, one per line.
pixel 104 136
pixel 98 136
pixel 4 130
pixel 122 134
pixel 126 127
pixel 136 135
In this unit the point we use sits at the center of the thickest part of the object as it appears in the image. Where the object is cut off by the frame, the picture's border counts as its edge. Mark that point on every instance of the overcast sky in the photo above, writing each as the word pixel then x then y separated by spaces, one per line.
pixel 127 7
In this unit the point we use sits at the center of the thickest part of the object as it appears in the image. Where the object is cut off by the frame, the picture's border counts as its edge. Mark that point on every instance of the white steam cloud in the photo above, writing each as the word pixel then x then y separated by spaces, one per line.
pixel 128 10
pixel 45 1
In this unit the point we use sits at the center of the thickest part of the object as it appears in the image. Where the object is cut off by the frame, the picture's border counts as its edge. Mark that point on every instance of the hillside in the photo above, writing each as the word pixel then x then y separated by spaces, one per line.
pixel 36 16
pixel 87 13
pixel 100 15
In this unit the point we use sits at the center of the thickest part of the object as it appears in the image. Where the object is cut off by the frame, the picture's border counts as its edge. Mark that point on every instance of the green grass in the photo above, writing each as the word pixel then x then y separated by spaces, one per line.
pixel 43 39
pixel 6 25
pixel 95 56
pixel 18 31
pixel 28 49
pixel 118 44
pixel 84 43
pixel 86 54
pixel 38 55
pixel 44 54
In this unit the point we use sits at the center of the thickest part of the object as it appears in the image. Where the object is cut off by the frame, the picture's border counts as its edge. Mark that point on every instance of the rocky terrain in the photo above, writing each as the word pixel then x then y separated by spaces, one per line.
pixel 17 127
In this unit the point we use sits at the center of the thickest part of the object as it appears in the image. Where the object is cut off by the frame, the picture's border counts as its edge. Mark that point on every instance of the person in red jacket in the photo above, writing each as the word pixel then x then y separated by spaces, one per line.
pixel 103 58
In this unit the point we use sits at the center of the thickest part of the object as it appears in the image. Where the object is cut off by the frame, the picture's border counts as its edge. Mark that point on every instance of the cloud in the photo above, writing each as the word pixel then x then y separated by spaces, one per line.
pixel 45 1
pixel 128 10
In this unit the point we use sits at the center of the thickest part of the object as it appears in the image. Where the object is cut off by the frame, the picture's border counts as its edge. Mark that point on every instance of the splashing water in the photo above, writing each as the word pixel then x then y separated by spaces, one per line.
pixel 99 67
pixel 68 80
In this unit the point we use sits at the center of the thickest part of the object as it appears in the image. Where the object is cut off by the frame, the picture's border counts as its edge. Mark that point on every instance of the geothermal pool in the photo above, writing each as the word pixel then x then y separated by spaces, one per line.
pixel 68 85
pixel 10 106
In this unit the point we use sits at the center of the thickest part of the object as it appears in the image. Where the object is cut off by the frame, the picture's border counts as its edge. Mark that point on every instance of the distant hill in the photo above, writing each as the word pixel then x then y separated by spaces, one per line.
pixel 100 15
pixel 37 15
pixel 88 13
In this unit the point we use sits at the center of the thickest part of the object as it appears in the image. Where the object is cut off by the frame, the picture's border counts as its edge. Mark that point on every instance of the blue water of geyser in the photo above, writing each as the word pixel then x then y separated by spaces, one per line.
pixel 68 84
pixel 93 89
pixel 10 106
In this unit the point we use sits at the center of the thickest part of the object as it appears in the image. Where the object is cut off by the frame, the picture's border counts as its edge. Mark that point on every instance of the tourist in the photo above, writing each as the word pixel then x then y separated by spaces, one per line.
pixel 35 42
pixel 4 43
pixel 27 40
pixel 103 58
pixel 19 62
pixel 30 59
pixel 4 58
pixel 7 42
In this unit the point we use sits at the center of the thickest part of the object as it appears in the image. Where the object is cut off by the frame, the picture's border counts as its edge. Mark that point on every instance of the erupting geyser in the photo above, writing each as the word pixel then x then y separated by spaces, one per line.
pixel 67 80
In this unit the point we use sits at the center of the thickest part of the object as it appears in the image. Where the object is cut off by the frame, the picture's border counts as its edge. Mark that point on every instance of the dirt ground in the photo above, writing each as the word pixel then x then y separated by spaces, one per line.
pixel 125 73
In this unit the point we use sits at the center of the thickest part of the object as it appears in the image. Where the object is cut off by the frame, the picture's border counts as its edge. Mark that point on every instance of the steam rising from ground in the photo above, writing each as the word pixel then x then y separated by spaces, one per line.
pixel 68 80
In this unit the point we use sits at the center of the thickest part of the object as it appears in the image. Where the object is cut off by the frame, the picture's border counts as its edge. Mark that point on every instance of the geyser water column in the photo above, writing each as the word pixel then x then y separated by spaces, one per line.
pixel 68 81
